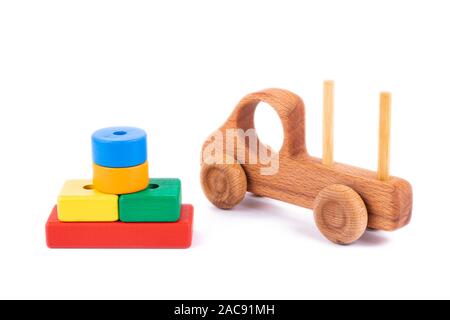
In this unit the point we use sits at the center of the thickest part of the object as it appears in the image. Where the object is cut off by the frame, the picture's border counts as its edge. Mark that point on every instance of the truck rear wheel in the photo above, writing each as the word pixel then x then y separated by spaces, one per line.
pixel 340 214
pixel 224 185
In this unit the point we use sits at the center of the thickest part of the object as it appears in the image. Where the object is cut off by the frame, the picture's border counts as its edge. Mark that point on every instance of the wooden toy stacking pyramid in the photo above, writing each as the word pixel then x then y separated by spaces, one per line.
pixel 121 207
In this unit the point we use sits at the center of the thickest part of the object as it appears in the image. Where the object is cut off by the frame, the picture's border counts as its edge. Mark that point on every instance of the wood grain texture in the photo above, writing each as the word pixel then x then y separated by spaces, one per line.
pixel 384 136
pixel 224 185
pixel 301 178
pixel 328 123
pixel 340 214
pixel 290 109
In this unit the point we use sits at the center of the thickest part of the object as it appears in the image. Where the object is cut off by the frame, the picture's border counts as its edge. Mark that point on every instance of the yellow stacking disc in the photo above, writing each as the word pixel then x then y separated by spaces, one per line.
pixel 121 180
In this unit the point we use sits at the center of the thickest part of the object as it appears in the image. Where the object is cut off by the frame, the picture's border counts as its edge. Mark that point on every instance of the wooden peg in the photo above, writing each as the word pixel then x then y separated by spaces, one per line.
pixel 328 115
pixel 384 136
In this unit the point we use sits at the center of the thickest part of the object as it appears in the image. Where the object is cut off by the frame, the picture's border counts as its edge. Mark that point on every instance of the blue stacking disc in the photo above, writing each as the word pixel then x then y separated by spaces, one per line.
pixel 119 147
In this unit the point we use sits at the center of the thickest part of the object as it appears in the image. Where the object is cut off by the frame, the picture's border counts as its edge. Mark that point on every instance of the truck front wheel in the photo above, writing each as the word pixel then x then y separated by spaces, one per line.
pixel 224 185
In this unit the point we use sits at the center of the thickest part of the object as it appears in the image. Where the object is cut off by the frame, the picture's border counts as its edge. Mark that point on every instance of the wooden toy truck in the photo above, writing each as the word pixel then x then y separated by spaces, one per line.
pixel 346 200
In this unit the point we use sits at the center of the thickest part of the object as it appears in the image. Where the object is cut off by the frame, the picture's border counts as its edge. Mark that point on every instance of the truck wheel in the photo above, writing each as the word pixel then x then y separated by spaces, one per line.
pixel 340 214
pixel 224 185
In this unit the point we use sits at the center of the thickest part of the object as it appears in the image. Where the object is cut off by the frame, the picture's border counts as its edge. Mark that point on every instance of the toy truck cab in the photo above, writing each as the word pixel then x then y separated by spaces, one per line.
pixel 346 199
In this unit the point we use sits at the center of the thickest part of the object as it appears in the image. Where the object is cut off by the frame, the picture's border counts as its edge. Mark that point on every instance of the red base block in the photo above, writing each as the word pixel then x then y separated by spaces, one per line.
pixel 120 234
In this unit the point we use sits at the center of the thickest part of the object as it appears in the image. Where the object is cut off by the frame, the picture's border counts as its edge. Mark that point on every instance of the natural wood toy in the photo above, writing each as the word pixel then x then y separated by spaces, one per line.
pixel 346 200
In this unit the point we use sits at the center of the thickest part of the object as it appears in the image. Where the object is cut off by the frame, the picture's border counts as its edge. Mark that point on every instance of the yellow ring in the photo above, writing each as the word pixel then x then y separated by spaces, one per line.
pixel 121 180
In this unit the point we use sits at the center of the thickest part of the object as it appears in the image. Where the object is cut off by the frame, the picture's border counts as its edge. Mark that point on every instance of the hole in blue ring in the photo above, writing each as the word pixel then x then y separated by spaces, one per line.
pixel 153 186
pixel 119 133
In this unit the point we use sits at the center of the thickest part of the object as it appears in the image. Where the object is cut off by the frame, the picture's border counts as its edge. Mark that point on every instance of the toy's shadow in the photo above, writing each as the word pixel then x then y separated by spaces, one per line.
pixel 259 207
pixel 372 238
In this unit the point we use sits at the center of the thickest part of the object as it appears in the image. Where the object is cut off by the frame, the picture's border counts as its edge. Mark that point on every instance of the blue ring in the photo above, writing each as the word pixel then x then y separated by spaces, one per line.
pixel 119 147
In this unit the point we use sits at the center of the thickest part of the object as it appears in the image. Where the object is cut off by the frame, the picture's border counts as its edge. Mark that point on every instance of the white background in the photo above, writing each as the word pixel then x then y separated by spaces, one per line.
pixel 177 69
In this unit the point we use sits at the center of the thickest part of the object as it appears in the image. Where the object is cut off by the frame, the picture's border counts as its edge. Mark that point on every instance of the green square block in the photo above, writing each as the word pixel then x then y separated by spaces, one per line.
pixel 160 202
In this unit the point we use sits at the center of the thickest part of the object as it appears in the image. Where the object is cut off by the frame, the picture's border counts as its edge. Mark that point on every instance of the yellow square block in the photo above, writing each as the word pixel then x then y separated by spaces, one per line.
pixel 79 201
